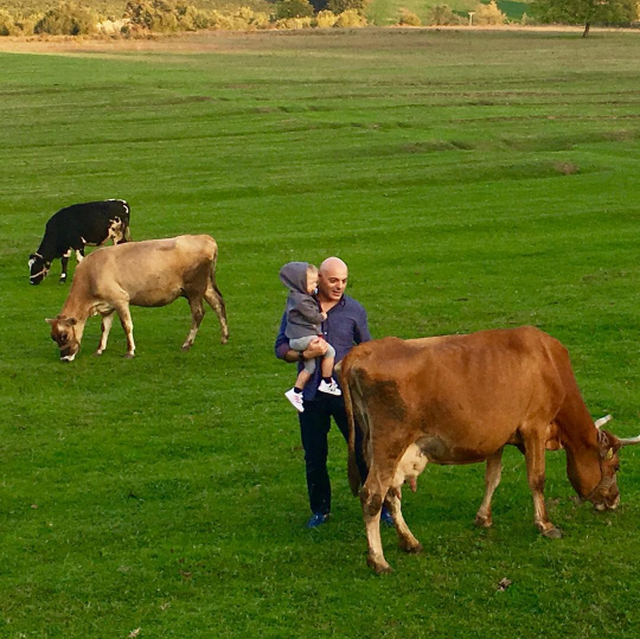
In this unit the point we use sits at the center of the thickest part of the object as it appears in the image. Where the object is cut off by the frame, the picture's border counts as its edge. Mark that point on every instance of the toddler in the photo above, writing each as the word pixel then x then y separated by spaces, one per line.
pixel 304 319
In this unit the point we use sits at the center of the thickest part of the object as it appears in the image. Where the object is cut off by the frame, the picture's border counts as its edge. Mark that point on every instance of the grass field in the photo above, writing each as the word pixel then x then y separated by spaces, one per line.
pixel 471 180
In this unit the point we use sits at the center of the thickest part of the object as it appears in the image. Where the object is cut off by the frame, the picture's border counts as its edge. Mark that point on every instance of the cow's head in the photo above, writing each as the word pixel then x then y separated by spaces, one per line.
pixel 63 333
pixel 38 268
pixel 606 495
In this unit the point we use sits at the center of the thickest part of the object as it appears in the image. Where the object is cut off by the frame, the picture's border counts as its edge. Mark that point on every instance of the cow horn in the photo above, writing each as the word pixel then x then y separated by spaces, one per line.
pixel 630 441
pixel 599 423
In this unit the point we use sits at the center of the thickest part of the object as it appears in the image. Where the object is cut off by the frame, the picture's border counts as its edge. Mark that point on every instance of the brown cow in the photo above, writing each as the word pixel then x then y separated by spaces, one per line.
pixel 150 273
pixel 459 399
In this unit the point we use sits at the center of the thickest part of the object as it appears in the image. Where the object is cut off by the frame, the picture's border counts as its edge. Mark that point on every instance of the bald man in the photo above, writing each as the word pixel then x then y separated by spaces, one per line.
pixel 345 326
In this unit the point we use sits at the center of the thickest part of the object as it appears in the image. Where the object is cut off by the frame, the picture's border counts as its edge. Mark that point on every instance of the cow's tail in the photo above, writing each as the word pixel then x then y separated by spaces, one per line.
pixel 346 380
pixel 214 296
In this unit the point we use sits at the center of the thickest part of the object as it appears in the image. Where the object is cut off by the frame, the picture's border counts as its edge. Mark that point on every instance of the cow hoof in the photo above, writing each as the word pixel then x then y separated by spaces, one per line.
pixel 483 522
pixel 185 347
pixel 98 353
pixel 408 547
pixel 553 533
pixel 379 568
pixel 224 340
pixel 129 356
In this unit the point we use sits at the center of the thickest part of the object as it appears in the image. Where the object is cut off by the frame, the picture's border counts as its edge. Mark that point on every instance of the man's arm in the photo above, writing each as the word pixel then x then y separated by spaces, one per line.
pixel 317 347
pixel 361 332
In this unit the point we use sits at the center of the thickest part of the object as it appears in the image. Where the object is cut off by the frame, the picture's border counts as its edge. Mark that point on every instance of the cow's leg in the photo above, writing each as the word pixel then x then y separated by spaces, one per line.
pixel 197 313
pixel 491 480
pixel 107 322
pixel 534 443
pixel 127 326
pixel 406 540
pixel 79 255
pixel 64 260
pixel 371 497
pixel 214 298
pixel 371 509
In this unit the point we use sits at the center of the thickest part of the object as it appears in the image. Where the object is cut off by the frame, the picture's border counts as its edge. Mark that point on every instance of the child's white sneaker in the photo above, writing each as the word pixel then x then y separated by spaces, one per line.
pixel 295 399
pixel 330 389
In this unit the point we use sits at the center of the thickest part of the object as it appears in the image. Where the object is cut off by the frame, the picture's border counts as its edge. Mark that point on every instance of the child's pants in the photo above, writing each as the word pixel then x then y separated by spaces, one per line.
pixel 300 343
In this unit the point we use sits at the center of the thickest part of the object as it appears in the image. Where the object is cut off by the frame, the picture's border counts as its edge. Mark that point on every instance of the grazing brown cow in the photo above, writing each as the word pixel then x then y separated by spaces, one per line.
pixel 150 273
pixel 459 399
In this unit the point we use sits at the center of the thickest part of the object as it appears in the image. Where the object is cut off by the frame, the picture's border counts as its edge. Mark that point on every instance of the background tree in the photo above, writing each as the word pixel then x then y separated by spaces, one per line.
pixel 340 6
pixel 585 12
pixel 293 9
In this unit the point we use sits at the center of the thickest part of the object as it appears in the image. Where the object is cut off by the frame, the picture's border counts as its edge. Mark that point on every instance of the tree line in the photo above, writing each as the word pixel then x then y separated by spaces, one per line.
pixel 141 17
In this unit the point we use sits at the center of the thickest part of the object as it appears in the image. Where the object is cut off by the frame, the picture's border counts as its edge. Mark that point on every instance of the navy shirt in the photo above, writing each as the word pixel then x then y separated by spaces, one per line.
pixel 346 325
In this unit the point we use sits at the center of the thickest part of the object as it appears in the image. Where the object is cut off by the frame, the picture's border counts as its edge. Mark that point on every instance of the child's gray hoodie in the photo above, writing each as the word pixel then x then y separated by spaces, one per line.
pixel 303 310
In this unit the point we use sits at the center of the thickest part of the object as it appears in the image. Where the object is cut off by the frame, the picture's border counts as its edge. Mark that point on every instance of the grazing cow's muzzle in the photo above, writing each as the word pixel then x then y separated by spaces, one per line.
pixel 64 335
pixel 38 269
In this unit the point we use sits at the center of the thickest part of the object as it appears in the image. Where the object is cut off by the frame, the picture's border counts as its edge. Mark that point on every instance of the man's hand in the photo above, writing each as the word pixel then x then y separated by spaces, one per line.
pixel 317 348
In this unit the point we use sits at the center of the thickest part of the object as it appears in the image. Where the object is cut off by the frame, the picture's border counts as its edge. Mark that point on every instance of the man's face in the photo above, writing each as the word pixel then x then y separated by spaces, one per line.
pixel 333 280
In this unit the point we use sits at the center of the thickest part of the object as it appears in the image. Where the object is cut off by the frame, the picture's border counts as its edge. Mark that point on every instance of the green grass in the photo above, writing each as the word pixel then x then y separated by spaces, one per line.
pixel 470 180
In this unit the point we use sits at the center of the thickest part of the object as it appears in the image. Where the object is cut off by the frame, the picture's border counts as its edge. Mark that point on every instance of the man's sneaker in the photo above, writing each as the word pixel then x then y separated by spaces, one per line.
pixel 330 389
pixel 317 519
pixel 386 518
pixel 295 399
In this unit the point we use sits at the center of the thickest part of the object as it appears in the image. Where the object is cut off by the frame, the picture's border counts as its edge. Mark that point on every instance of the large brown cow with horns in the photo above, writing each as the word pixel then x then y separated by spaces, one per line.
pixel 460 399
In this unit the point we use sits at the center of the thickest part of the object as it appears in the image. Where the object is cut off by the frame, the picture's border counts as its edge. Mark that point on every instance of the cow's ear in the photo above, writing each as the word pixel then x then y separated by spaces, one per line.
pixel 50 321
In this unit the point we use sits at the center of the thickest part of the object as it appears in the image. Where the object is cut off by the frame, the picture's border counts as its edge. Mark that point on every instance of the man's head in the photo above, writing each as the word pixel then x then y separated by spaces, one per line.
pixel 333 275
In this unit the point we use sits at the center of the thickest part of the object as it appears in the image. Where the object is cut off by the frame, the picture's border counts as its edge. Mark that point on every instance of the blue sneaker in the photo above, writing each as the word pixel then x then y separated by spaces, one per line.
pixel 386 518
pixel 317 519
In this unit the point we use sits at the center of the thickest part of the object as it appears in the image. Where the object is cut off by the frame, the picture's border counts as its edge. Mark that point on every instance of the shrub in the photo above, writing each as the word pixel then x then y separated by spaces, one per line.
pixel 154 15
pixel 351 18
pixel 66 19
pixel 293 9
pixel 190 18
pixel 254 19
pixel 244 19
pixel 488 14
pixel 409 18
pixel 7 25
pixel 294 23
pixel 326 19
pixel 526 19
pixel 442 15
pixel 27 24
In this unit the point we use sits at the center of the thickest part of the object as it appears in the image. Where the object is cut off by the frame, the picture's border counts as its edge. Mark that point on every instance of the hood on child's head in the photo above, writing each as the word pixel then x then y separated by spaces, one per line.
pixel 294 276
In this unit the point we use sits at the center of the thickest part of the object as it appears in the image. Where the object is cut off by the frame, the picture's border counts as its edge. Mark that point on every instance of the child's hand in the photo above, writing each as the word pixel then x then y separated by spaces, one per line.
pixel 323 315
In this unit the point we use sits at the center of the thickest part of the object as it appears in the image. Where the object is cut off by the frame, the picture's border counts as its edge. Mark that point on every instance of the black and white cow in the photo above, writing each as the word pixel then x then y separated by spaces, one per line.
pixel 73 228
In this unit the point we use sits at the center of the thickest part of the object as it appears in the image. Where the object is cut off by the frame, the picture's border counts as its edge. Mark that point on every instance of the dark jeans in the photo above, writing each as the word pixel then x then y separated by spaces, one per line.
pixel 315 423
